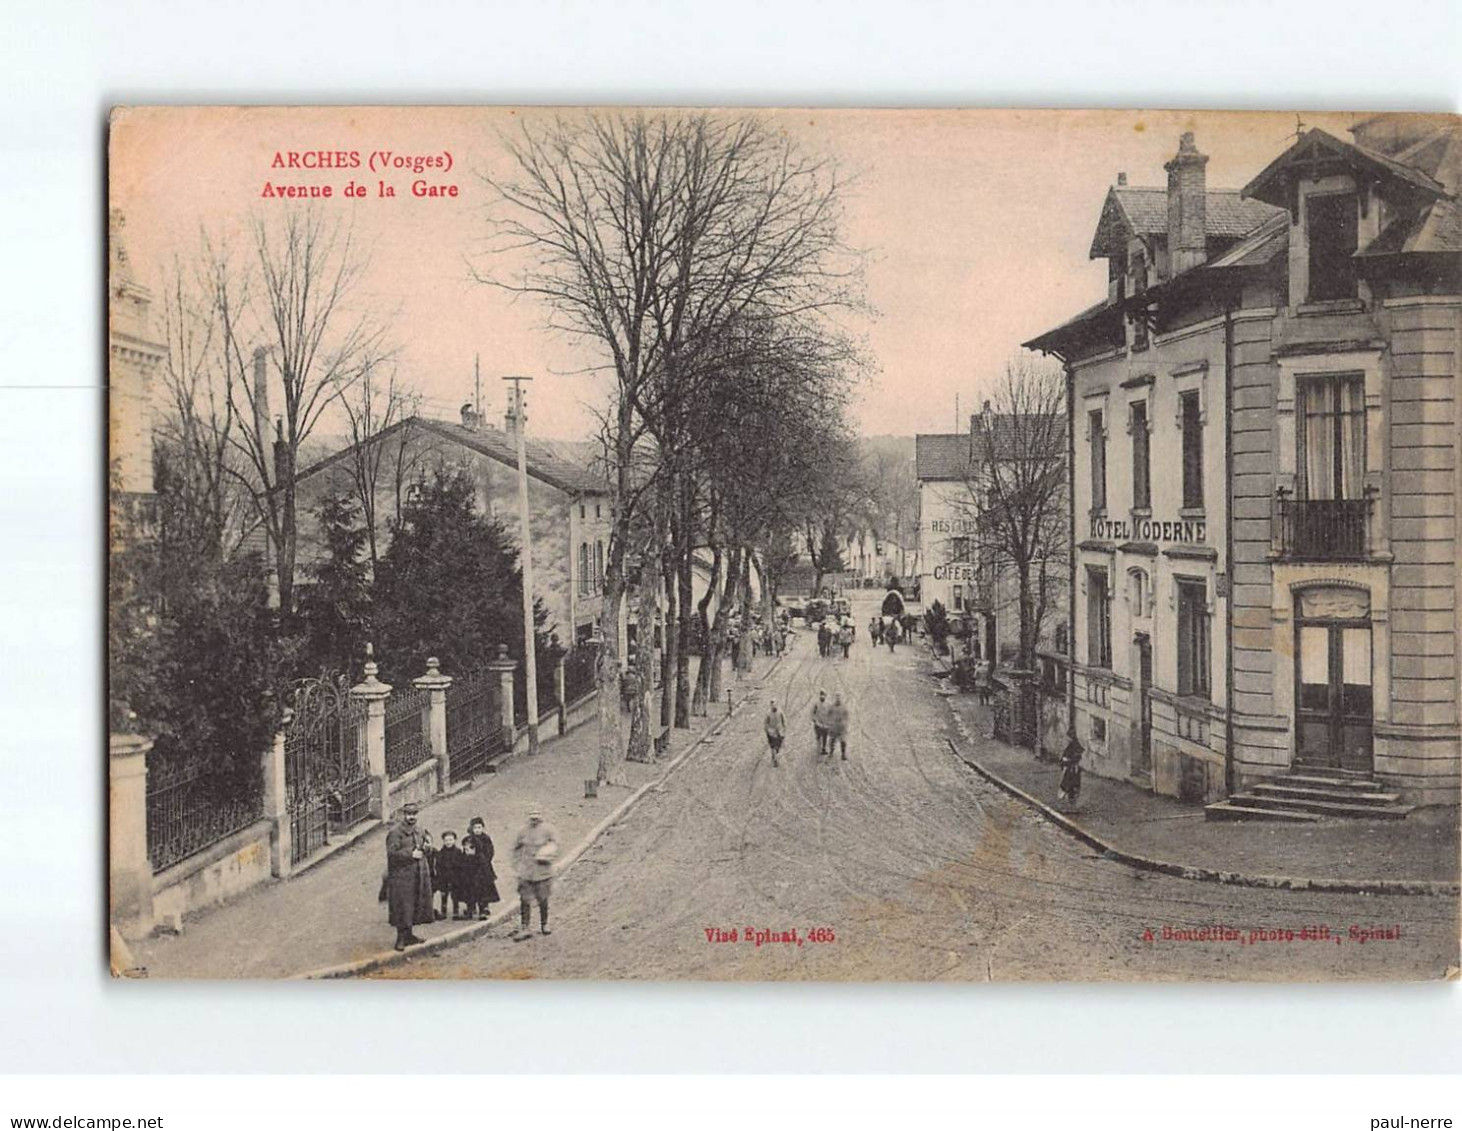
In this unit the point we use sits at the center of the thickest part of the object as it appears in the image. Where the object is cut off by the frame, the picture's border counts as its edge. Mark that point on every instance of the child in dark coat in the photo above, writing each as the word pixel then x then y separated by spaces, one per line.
pixel 481 876
pixel 447 880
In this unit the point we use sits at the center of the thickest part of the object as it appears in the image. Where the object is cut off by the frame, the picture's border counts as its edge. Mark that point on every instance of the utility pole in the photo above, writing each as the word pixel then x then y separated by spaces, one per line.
pixel 477 385
pixel 530 652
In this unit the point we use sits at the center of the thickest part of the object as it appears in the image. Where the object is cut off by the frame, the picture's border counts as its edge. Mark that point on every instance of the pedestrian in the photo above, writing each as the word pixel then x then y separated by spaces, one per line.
pixel 775 725
pixel 819 721
pixel 891 634
pixel 534 851
pixel 447 880
pixel 845 638
pixel 875 631
pixel 408 877
pixel 824 638
pixel 481 876
pixel 1070 789
pixel 837 726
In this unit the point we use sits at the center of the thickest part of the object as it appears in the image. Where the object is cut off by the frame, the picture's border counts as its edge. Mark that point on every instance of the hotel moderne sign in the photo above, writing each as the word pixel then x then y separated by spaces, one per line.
pixel 1190 530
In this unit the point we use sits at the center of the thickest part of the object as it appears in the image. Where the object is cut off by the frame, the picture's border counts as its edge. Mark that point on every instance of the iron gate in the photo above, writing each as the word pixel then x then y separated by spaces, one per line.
pixel 474 723
pixel 407 743
pixel 327 779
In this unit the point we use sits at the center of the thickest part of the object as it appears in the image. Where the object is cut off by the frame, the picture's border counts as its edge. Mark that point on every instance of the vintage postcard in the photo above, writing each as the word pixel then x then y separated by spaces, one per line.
pixel 784 545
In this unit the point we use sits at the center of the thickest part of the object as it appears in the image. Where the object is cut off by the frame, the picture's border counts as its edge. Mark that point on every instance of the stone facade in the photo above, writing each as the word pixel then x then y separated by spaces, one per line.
pixel 1322 347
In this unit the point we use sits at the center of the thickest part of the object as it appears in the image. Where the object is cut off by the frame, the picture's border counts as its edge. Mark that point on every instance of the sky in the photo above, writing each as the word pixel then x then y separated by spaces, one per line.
pixel 974 226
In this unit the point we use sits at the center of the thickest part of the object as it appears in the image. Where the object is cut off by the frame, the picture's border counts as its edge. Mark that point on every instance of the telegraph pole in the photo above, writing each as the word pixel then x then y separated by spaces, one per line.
pixel 530 652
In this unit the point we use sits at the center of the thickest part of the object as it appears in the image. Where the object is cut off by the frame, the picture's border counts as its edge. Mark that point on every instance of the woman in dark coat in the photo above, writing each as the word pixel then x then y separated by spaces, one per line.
pixel 477 870
pixel 408 878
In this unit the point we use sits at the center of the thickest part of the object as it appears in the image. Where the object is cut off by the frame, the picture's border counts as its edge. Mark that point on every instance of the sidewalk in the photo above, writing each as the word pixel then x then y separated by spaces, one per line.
pixel 1424 846
pixel 329 915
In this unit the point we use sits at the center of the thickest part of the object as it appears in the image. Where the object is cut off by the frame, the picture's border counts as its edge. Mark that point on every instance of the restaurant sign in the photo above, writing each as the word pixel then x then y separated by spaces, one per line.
pixel 1190 530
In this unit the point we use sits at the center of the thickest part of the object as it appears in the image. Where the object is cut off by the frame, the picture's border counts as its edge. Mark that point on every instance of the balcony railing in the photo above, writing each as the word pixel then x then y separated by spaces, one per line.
pixel 1324 529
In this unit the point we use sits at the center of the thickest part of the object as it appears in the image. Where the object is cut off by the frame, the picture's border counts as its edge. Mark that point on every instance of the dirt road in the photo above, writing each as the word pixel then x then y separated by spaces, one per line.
pixel 900 864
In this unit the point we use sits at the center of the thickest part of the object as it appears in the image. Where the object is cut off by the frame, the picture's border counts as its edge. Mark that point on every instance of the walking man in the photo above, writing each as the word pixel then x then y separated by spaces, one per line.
pixel 775 725
pixel 845 638
pixel 891 634
pixel 819 721
pixel 408 878
pixel 534 852
pixel 837 726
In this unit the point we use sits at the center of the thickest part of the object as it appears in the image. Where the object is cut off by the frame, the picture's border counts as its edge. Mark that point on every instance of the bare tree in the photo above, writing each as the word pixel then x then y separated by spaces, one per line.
pixel 649 236
pixel 319 342
pixel 1016 495
pixel 372 405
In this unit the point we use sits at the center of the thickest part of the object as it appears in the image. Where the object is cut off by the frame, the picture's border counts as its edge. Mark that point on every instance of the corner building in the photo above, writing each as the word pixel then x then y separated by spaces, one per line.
pixel 1266 468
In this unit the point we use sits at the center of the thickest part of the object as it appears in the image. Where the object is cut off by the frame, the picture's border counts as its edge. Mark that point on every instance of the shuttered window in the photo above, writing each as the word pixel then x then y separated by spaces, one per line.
pixel 1192 451
pixel 1098 438
pixel 1193 650
pixel 1098 619
pixel 1141 472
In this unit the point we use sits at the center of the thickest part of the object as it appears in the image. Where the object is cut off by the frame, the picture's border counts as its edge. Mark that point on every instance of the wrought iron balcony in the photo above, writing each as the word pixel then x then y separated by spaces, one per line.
pixel 1325 530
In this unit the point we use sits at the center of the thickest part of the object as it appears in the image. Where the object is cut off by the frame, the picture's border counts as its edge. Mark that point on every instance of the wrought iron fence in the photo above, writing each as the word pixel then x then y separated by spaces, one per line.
pixel 580 669
pixel 1324 529
pixel 407 742
pixel 192 805
pixel 474 722
pixel 327 780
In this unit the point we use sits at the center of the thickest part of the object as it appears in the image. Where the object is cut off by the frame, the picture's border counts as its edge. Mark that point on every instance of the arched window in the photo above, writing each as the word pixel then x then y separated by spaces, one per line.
pixel 1139 593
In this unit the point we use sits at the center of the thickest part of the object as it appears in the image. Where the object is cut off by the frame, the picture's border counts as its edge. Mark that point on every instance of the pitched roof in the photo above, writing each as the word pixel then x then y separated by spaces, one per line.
pixel 1436 229
pixel 1272 184
pixel 942 456
pixel 543 463
pixel 1143 211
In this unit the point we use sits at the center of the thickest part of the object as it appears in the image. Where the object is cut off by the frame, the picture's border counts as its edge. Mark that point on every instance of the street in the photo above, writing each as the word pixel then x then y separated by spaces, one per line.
pixel 901 864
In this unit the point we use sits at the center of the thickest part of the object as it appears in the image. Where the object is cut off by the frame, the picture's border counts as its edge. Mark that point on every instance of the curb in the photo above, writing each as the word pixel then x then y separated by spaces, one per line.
pixel 443 942
pixel 1208 875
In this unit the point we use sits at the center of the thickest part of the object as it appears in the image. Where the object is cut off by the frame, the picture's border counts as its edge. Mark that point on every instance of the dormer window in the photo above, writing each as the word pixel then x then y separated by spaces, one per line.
pixel 1330 228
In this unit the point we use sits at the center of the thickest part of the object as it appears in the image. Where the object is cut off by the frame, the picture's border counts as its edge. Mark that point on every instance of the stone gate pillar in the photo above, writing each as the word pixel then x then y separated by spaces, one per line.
pixel 505 666
pixel 373 693
pixel 130 867
pixel 434 718
pixel 276 803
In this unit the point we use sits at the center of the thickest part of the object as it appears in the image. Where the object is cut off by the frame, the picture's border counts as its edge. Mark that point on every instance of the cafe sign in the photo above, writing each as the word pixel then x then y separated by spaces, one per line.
pixel 1189 530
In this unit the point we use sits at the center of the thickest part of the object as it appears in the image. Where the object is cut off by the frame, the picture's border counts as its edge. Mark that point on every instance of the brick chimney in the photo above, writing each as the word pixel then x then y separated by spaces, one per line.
pixel 261 394
pixel 1187 207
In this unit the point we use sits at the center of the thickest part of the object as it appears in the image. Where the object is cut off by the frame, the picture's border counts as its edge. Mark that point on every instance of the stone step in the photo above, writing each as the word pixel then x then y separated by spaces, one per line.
pixel 1389 812
pixel 1357 785
pixel 1283 788
pixel 1229 811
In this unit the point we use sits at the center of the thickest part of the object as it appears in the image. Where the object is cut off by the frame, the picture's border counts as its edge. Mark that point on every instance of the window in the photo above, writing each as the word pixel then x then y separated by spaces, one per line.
pixel 1098 619
pixel 1098 438
pixel 1193 651
pixel 581 510
pixel 959 598
pixel 1330 225
pixel 1192 451
pixel 1331 438
pixel 1141 472
pixel 596 511
pixel 599 565
pixel 584 567
pixel 961 550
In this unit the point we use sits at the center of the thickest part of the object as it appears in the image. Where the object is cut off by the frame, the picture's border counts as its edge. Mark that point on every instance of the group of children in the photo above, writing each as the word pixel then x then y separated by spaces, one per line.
pixel 463 877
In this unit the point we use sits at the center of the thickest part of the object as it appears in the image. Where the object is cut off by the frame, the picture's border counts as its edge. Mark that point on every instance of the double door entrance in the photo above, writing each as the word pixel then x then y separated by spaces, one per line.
pixel 1333 680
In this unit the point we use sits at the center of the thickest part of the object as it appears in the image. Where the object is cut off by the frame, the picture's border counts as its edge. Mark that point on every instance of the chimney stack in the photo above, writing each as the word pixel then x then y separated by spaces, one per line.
pixel 1187 208
pixel 471 420
pixel 261 394
pixel 1121 180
